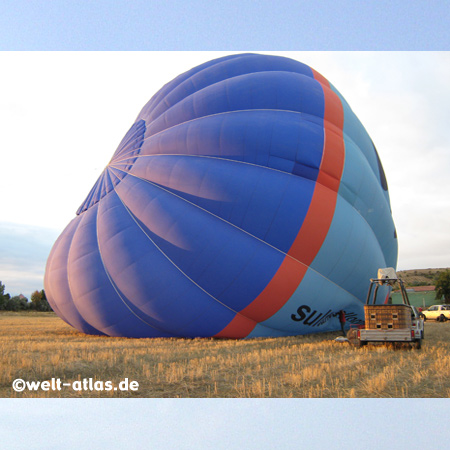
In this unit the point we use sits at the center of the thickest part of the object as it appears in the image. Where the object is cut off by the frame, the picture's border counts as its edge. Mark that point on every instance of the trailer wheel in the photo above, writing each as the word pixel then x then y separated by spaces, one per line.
pixel 352 336
pixel 417 344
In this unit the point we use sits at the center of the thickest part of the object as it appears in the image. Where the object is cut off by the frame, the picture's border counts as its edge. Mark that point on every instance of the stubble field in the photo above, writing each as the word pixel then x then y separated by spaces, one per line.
pixel 37 347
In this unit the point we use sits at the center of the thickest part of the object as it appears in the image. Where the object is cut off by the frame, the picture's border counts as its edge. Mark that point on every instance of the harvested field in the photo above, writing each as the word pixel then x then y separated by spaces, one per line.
pixel 39 346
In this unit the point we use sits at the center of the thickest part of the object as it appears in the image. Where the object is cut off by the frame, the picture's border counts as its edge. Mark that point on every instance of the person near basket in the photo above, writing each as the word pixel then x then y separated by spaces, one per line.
pixel 342 321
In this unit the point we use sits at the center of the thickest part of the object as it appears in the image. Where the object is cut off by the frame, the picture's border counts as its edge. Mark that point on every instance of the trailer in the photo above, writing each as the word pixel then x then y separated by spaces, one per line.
pixel 386 322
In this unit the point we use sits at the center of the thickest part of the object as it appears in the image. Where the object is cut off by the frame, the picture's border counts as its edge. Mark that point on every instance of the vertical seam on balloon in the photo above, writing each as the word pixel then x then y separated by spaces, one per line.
pixel 90 195
pixel 115 287
pixel 263 307
pixel 131 139
pixel 362 249
pixel 47 275
pixel 112 181
pixel 277 209
pixel 375 173
pixel 112 171
pixel 338 261
pixel 68 278
pixel 106 179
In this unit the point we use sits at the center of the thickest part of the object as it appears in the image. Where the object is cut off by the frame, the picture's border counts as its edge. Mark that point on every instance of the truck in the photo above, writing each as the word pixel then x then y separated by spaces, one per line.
pixel 441 313
pixel 385 322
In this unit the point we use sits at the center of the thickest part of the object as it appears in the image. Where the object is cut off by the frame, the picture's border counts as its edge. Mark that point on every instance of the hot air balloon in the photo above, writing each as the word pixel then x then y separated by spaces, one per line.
pixel 246 200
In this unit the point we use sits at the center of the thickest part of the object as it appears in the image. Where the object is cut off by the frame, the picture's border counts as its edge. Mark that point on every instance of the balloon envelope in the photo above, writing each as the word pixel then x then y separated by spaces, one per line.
pixel 246 200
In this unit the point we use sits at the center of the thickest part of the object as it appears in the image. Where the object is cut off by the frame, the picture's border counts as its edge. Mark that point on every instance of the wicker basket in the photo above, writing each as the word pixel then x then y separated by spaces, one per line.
pixel 387 316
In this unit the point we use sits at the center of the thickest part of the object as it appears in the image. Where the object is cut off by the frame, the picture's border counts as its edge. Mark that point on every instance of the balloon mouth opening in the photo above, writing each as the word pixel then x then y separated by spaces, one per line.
pixel 117 169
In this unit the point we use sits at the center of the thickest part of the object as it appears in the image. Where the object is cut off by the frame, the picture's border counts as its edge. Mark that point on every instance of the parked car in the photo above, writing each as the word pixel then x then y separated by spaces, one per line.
pixel 440 313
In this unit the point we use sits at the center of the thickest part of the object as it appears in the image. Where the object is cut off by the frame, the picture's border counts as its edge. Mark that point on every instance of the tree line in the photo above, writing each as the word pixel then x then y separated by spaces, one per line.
pixel 20 303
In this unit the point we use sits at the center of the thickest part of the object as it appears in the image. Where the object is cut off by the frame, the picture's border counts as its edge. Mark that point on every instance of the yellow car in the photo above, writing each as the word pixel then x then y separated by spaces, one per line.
pixel 441 313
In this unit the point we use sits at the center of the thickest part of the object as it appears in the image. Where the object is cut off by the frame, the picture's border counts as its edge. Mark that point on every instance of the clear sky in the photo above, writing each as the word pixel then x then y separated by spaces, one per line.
pixel 224 424
pixel 224 25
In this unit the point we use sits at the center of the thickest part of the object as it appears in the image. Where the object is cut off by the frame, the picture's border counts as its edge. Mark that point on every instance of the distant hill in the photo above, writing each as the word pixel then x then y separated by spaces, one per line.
pixel 419 277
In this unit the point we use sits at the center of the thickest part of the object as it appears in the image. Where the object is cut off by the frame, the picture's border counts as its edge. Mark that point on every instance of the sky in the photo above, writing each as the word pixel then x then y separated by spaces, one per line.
pixel 64 113
pixel 223 424
pixel 224 25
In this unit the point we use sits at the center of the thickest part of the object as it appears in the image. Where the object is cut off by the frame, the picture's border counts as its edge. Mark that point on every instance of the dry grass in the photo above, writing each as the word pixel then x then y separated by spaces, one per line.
pixel 39 346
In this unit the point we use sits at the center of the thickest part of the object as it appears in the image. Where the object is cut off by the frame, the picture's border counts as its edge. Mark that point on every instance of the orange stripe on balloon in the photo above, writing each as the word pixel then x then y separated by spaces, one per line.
pixel 315 226
pixel 240 327
pixel 320 78
pixel 323 203
pixel 275 294
pixel 313 231
pixel 272 298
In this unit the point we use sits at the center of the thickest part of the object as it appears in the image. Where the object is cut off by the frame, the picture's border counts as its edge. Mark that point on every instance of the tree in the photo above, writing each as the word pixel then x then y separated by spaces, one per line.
pixel 45 304
pixel 17 303
pixel 443 286
pixel 36 300
pixel 39 301
pixel 3 297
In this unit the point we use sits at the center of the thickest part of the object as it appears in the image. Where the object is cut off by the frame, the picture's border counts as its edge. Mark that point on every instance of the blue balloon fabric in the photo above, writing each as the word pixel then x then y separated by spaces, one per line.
pixel 246 200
